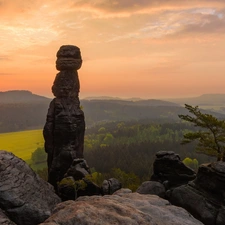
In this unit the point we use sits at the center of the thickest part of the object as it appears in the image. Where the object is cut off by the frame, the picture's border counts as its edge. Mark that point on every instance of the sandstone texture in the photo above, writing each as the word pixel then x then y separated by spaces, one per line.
pixel 25 198
pixel 68 58
pixel 204 197
pixel 153 188
pixel 118 209
pixel 110 186
pixel 169 170
pixel 65 126
pixel 4 220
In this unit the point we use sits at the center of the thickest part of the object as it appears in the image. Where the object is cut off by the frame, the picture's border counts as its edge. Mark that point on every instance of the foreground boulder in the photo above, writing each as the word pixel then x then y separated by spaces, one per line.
pixel 25 198
pixel 4 220
pixel 110 186
pixel 120 208
pixel 153 188
pixel 204 197
pixel 169 170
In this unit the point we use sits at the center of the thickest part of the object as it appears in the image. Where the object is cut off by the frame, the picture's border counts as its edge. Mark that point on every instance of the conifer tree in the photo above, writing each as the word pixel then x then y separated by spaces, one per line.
pixel 210 135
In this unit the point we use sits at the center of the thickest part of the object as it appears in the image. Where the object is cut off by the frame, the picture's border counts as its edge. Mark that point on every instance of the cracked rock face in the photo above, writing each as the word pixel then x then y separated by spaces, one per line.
pixel 68 61
pixel 4 220
pixel 110 186
pixel 65 126
pixel 204 197
pixel 24 196
pixel 120 208
pixel 153 188
pixel 170 170
pixel 68 58
pixel 66 84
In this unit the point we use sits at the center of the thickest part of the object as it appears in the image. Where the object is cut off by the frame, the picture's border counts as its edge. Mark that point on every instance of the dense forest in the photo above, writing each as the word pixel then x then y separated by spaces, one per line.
pixel 126 150
pixel 131 146
pixel 122 136
pixel 22 110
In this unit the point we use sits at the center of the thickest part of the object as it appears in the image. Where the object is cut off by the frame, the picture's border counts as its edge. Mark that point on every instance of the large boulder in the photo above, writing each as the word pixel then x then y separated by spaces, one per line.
pixel 24 196
pixel 120 208
pixel 153 188
pixel 4 220
pixel 204 197
pixel 170 170
pixel 110 186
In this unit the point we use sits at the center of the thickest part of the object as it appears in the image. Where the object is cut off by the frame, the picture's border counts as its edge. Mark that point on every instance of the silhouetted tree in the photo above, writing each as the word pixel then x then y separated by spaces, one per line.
pixel 211 133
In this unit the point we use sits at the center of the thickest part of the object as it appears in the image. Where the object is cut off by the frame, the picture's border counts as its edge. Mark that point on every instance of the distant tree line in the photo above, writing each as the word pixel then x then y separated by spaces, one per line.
pixel 127 149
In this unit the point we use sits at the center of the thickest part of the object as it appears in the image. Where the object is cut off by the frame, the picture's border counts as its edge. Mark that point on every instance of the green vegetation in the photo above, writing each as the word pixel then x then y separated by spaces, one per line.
pixel 22 143
pixel 210 135
pixel 131 148
pixel 124 150
pixel 125 147
pixel 192 163
pixel 39 156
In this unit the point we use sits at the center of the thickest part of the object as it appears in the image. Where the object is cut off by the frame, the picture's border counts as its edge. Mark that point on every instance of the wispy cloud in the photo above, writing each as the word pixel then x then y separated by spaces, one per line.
pixel 6 74
pixel 152 36
pixel 135 6
pixel 5 58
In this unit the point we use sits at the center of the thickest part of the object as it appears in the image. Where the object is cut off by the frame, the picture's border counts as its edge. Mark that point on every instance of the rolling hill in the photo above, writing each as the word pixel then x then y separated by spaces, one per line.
pixel 22 110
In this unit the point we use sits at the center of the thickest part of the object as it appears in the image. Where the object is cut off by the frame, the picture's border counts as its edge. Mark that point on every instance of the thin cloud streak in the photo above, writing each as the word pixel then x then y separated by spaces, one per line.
pixel 159 43
pixel 6 74
pixel 116 6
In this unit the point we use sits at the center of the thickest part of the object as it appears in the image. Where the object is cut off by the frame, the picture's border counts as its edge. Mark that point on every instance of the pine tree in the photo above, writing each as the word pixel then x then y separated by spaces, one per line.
pixel 211 133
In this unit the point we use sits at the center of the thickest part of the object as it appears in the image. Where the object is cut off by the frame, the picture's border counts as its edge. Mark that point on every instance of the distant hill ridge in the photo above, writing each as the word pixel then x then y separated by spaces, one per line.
pixel 202 100
pixel 24 96
pixel 23 110
pixel 14 96
pixel 141 102
pixel 20 96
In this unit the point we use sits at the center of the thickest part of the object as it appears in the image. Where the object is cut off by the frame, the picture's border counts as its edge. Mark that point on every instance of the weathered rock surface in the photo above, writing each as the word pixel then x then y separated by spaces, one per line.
pixel 153 188
pixel 204 197
pixel 25 198
pixel 66 84
pixel 169 170
pixel 77 175
pixel 68 58
pixel 70 189
pixel 110 186
pixel 78 169
pixel 65 126
pixel 4 220
pixel 120 208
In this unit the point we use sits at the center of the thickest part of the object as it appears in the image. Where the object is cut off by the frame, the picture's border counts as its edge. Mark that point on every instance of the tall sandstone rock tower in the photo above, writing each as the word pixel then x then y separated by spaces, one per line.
pixel 65 126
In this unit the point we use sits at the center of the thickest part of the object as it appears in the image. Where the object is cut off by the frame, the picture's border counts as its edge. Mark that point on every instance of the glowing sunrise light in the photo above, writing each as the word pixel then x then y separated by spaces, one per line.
pixel 129 48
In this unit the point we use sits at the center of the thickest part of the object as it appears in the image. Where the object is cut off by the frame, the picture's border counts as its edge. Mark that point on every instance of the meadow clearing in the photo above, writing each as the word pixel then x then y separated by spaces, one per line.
pixel 22 143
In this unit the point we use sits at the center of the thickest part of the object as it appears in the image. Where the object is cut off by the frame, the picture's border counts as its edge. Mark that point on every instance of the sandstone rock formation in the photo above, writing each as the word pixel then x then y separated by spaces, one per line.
pixel 65 126
pixel 4 220
pixel 169 170
pixel 25 198
pixel 120 208
pixel 153 188
pixel 78 169
pixel 204 197
pixel 110 186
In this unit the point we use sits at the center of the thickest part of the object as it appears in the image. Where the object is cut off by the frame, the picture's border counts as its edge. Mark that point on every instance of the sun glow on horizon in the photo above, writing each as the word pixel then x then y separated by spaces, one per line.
pixel 136 50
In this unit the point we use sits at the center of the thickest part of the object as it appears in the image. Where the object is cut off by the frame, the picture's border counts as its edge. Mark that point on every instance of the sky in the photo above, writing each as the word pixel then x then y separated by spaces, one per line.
pixel 130 48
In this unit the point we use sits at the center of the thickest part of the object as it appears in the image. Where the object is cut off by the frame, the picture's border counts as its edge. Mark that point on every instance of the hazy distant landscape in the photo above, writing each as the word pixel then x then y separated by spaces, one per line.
pixel 138 127
pixel 23 110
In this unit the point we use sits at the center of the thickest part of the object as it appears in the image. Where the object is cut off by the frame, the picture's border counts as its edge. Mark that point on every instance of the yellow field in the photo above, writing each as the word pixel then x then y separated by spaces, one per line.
pixel 22 143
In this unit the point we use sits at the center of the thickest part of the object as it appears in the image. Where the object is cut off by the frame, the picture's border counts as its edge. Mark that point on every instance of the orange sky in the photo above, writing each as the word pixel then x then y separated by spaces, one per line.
pixel 130 48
